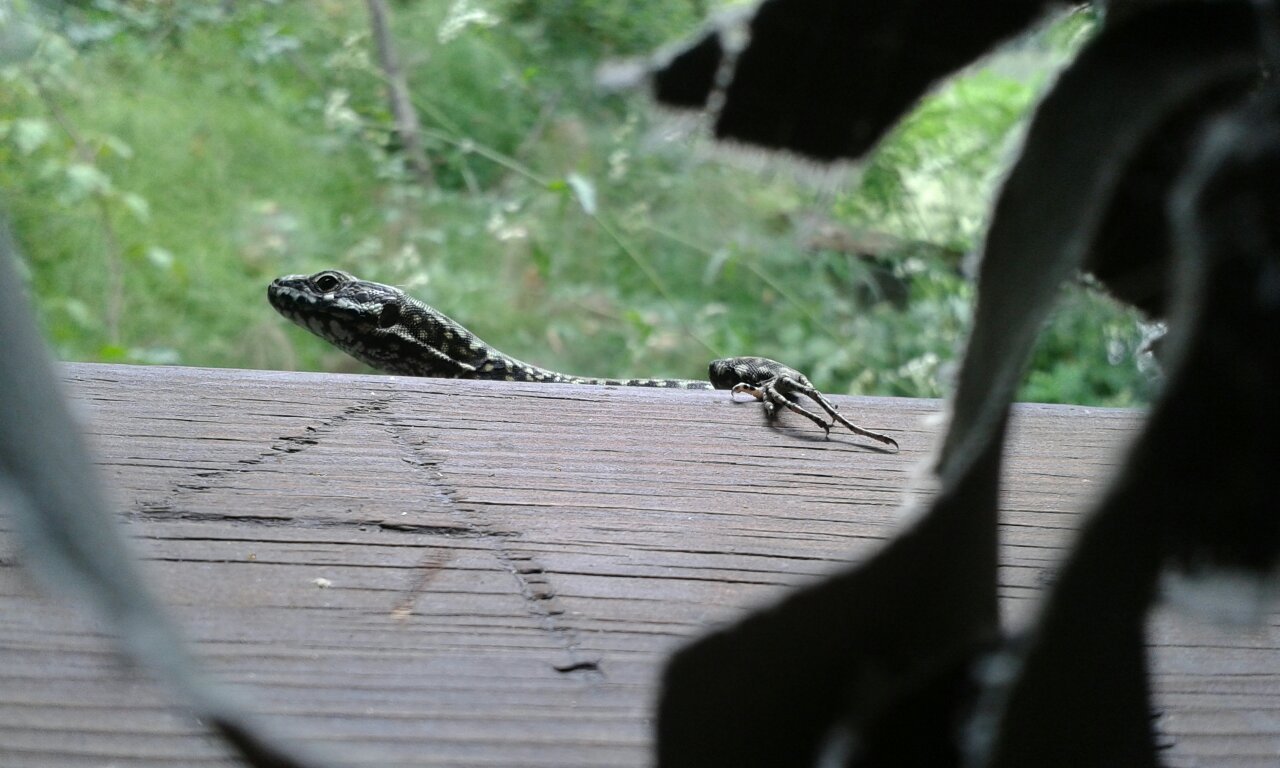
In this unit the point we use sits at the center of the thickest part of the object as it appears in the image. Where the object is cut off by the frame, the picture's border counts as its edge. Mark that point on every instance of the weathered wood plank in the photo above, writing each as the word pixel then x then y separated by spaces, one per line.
pixel 508 564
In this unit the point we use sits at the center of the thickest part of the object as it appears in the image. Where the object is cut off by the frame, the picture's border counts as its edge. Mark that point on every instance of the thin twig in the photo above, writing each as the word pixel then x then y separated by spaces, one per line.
pixel 408 127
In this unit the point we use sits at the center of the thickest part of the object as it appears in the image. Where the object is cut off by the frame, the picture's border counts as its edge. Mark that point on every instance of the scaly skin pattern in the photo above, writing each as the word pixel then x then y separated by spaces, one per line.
pixel 384 327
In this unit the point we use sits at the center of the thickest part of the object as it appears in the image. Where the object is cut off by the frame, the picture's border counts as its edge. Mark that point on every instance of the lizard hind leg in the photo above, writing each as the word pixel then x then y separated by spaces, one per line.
pixel 813 394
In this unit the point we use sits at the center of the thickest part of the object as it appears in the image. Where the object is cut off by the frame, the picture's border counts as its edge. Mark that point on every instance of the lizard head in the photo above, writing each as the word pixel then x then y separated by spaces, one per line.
pixel 376 324
pixel 333 304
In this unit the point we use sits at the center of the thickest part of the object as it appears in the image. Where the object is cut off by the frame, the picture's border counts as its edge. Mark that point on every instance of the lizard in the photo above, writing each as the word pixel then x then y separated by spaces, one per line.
pixel 383 327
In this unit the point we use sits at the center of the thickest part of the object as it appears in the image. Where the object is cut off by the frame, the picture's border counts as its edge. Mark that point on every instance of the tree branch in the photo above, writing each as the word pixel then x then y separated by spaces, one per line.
pixel 406 117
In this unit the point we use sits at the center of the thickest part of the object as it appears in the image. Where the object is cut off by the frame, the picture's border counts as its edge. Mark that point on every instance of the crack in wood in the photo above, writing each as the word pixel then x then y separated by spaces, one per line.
pixel 285 445
pixel 532 580
pixel 581 666
pixel 425 571
pixel 156 511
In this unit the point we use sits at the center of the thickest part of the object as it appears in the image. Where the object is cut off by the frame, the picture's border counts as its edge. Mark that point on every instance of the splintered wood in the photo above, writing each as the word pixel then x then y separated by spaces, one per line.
pixel 421 572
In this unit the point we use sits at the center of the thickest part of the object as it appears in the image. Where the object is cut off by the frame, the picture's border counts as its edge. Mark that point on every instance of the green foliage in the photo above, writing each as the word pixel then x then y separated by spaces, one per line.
pixel 594 29
pixel 162 161
pixel 934 177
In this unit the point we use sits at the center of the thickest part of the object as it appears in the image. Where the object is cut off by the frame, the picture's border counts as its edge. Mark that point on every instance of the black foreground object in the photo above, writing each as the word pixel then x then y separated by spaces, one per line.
pixel 902 660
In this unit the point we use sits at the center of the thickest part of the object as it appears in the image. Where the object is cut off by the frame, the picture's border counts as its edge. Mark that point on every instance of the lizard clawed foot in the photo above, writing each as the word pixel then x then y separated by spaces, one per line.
pixel 777 386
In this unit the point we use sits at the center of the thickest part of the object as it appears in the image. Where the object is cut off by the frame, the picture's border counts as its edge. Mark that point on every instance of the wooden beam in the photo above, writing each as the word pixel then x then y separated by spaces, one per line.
pixel 421 572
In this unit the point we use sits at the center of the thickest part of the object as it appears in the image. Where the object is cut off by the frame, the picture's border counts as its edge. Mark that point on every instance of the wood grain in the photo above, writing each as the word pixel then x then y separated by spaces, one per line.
pixel 421 572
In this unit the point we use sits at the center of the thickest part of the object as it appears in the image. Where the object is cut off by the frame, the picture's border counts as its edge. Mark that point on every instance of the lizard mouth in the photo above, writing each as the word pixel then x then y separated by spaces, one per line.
pixel 289 299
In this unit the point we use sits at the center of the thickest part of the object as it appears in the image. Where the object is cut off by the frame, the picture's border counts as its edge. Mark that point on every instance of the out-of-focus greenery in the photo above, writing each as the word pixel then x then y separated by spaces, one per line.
pixel 161 161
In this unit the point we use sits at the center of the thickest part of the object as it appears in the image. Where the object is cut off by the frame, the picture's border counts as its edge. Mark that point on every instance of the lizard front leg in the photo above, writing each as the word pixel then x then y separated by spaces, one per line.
pixel 433 360
pixel 773 398
pixel 807 389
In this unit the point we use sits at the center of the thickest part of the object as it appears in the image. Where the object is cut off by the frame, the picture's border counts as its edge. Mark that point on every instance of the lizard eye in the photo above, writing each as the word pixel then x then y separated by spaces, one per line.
pixel 389 316
pixel 325 282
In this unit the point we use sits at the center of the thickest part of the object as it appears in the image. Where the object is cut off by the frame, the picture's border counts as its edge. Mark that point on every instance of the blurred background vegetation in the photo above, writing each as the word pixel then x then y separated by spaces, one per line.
pixel 162 160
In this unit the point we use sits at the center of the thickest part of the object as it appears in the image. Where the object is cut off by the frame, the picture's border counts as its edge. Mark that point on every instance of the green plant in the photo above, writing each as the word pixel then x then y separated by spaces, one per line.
pixel 217 150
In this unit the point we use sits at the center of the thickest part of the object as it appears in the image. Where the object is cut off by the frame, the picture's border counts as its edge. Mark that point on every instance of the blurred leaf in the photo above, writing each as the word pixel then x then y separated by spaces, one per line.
pixel 584 191
pixel 464 14
pixel 84 180
pixel 79 313
pixel 137 205
pixel 117 146
pixel 160 258
pixel 269 43
pixel 154 356
pixel 113 353
pixel 29 134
